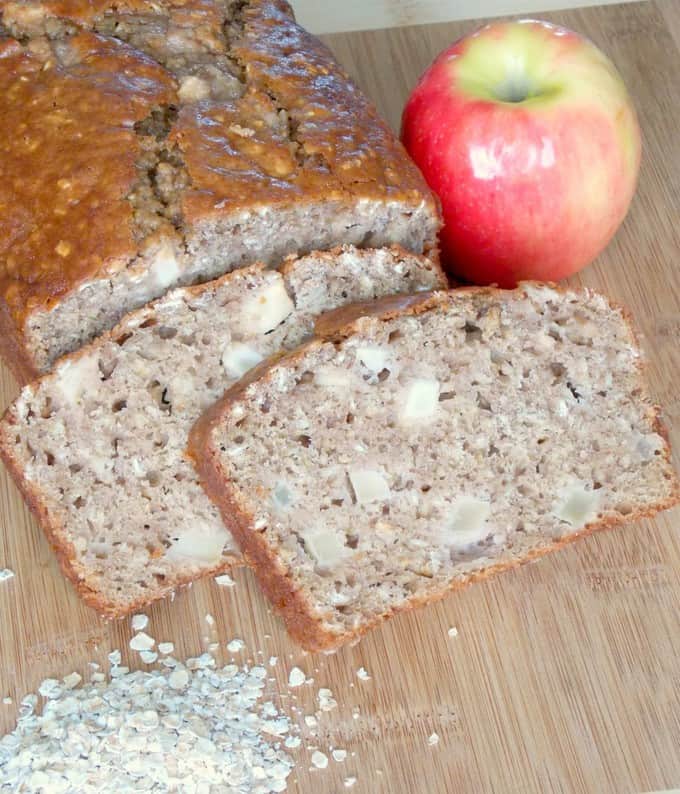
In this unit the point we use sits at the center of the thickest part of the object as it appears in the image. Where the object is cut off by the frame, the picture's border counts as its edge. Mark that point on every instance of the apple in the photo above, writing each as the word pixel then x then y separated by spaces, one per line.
pixel 526 132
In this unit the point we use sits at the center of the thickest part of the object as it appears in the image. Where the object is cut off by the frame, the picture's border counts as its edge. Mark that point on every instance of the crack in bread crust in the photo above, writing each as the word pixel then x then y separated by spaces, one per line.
pixel 157 195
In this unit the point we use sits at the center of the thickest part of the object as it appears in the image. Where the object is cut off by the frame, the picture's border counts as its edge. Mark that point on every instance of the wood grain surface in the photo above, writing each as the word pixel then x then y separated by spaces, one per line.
pixel 565 675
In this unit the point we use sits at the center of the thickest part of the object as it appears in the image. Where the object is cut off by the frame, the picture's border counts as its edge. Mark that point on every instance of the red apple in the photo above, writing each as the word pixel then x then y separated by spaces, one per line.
pixel 526 132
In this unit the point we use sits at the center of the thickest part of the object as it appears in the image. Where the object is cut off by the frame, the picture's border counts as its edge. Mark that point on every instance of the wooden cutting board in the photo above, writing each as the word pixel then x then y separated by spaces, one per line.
pixel 564 676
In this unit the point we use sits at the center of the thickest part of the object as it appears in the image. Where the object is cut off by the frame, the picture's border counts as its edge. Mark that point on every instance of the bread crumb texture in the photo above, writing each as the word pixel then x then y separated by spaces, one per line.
pixel 410 453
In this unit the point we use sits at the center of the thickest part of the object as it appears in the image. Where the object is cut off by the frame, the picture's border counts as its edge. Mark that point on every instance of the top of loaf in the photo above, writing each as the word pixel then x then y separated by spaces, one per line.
pixel 129 121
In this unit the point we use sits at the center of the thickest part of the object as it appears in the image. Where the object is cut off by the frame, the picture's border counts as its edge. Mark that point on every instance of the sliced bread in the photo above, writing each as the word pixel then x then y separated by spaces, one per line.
pixel 97 446
pixel 431 444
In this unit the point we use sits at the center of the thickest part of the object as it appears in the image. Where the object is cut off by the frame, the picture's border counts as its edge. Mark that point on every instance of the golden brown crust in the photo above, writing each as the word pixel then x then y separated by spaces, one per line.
pixel 300 132
pixel 272 577
pixel 337 147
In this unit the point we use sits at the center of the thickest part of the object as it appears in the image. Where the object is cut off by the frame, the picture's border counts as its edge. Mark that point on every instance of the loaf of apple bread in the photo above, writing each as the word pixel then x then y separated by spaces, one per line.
pixel 147 144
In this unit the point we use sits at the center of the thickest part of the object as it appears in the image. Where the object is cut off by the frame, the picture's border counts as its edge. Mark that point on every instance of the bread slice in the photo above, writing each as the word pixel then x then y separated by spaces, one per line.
pixel 431 444
pixel 152 144
pixel 97 446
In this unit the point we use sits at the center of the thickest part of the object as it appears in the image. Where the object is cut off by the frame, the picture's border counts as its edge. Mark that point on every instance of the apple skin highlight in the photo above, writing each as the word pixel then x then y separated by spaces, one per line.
pixel 527 134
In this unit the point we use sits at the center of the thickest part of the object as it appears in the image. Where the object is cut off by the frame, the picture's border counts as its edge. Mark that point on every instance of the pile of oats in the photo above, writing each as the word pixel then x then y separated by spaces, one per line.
pixel 189 728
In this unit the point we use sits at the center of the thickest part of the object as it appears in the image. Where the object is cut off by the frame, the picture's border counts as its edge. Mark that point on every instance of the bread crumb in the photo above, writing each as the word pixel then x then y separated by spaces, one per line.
pixel 273 660
pixel 362 674
pixel 296 677
pixel 319 759
pixel 224 580
pixel 453 631
pixel 433 739
pixel 142 642
pixel 139 622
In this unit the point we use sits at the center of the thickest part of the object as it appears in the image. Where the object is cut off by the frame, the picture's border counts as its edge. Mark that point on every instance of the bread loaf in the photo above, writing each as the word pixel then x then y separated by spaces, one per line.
pixel 97 446
pixel 147 144
pixel 431 444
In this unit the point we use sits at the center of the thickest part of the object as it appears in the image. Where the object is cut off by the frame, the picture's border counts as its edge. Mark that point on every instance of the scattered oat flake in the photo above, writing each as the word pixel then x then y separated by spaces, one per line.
pixel 453 631
pixel 166 647
pixel 273 660
pixel 7 701
pixel 142 642
pixel 235 645
pixel 114 658
pixel 293 741
pixel 148 657
pixel 349 782
pixel 362 674
pixel 50 688
pixel 433 739
pixel 224 580
pixel 5 574
pixel 139 622
pixel 319 759
pixel 339 755
pixel 72 680
pixel 326 700
pixel 296 677
pixel 209 619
